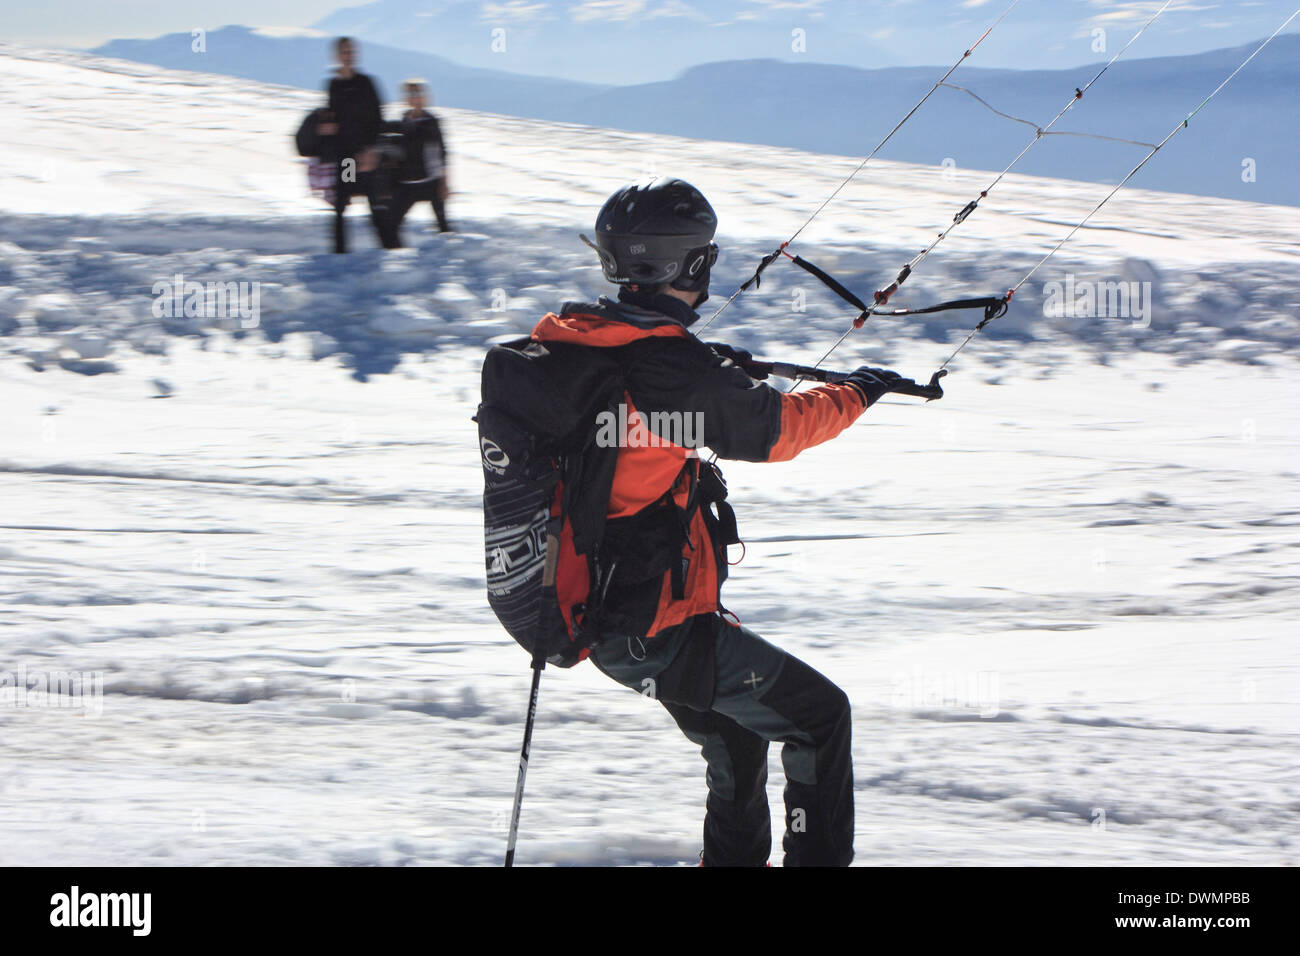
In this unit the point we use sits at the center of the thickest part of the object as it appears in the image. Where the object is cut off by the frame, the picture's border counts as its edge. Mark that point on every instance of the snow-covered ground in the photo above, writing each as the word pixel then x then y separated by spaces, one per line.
pixel 1062 600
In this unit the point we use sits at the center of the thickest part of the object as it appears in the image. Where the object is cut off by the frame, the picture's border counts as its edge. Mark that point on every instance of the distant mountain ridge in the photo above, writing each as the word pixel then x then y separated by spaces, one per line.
pixel 1243 146
pixel 642 41
pixel 306 61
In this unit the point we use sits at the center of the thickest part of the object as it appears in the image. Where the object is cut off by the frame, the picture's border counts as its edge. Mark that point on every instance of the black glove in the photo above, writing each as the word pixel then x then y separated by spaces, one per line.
pixel 739 356
pixel 872 383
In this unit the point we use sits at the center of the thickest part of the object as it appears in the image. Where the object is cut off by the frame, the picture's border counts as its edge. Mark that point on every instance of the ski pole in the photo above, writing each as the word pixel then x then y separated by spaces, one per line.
pixel 539 664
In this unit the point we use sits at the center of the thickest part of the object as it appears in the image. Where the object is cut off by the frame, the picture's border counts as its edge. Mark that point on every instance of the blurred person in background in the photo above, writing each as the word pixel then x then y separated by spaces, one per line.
pixel 423 173
pixel 357 121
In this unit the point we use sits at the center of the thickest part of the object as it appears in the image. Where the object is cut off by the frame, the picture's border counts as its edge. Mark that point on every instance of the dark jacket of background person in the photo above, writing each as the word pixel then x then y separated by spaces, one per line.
pixel 426 151
pixel 355 104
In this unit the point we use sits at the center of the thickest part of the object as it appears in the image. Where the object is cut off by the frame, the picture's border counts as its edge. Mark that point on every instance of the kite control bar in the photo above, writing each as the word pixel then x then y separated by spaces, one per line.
pixel 929 392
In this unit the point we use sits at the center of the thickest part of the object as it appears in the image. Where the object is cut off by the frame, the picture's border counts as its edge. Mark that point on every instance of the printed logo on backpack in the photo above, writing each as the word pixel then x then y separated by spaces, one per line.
pixel 546 489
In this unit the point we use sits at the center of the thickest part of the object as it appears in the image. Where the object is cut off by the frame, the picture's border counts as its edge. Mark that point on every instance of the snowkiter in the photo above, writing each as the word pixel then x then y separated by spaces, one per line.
pixel 662 629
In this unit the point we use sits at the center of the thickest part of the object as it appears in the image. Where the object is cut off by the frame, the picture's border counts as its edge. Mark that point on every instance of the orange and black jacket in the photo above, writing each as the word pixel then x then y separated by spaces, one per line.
pixel 664 559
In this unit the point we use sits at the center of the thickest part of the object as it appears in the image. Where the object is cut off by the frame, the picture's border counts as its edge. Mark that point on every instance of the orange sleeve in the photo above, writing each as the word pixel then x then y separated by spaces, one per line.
pixel 812 417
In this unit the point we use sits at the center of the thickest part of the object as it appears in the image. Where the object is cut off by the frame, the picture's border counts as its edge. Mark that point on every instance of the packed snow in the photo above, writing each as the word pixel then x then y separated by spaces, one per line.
pixel 1062 600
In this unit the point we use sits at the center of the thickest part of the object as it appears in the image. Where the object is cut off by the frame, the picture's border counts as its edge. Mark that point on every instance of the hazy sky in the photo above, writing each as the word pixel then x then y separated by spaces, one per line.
pixel 87 23
pixel 1038 34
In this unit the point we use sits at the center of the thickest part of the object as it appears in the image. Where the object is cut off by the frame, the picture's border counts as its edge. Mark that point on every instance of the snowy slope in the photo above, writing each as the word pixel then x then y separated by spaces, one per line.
pixel 1066 594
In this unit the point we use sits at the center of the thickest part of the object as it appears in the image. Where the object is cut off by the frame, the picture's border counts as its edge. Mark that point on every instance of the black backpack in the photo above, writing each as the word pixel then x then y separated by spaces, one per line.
pixel 546 488
pixel 309 142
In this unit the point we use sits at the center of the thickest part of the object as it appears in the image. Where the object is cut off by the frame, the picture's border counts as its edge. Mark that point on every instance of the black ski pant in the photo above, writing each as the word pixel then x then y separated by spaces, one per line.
pixel 731 692
pixel 381 210
pixel 408 194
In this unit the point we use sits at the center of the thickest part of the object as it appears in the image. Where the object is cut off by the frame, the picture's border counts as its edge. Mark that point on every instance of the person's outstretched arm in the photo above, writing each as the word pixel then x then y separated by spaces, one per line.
pixel 741 418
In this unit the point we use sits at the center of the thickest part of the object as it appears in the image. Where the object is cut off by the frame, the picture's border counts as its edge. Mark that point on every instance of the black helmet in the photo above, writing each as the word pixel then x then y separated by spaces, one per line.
pixel 651 233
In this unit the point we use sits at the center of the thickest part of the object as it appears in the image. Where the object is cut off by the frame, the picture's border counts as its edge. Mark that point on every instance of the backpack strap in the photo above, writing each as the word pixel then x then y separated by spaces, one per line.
pixel 677 570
